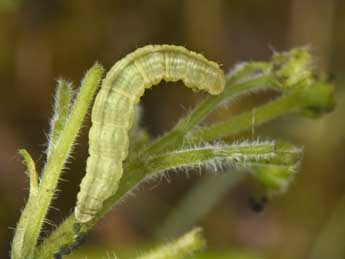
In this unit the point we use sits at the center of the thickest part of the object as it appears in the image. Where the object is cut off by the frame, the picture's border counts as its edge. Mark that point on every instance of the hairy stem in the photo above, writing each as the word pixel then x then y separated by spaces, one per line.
pixel 283 105
pixel 241 155
pixel 174 138
pixel 311 100
pixel 37 210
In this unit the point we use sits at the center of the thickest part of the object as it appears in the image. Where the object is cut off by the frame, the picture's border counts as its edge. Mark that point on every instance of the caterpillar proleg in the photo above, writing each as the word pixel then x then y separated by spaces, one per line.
pixel 113 112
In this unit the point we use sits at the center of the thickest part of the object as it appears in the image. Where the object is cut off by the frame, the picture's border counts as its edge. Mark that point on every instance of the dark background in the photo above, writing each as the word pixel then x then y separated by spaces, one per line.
pixel 41 41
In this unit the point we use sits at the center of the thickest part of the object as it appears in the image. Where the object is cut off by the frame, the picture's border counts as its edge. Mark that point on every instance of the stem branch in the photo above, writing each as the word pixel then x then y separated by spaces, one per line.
pixel 35 211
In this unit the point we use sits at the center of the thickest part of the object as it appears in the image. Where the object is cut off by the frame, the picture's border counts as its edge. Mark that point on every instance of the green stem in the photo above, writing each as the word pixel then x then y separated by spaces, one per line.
pixel 174 138
pixel 210 189
pixel 312 101
pixel 283 105
pixel 37 210
pixel 236 155
pixel 32 172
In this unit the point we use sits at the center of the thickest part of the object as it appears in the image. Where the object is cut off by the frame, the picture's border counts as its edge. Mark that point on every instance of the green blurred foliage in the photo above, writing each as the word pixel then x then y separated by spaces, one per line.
pixel 43 40
pixel 216 254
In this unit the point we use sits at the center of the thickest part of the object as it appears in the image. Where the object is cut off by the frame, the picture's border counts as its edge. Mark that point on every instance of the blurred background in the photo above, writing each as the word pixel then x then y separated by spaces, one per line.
pixel 43 40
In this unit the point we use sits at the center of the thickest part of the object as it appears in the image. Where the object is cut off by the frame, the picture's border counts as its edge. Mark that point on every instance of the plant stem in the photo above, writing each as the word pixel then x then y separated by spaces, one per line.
pixel 37 210
pixel 283 105
pixel 174 138
pixel 203 196
pixel 236 155
pixel 312 101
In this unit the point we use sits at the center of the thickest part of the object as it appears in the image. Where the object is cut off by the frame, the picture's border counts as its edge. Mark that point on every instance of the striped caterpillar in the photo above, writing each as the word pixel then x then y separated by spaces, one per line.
pixel 113 112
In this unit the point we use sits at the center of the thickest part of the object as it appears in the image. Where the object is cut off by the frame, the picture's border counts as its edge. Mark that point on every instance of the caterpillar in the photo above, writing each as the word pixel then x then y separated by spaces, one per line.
pixel 114 107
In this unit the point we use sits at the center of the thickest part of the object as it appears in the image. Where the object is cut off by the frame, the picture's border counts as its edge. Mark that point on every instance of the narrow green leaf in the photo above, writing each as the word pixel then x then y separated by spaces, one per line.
pixel 18 241
pixel 186 245
pixel 273 165
pixel 213 157
pixel 62 107
pixel 31 170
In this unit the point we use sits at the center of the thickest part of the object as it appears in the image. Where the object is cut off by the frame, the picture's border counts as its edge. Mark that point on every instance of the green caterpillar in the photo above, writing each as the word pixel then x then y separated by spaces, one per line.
pixel 113 112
